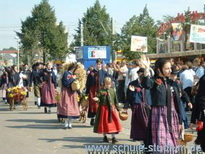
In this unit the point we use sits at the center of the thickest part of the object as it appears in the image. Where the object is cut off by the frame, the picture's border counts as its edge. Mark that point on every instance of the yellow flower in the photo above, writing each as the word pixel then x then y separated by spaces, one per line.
pixel 78 98
pixel 23 93
pixel 11 95
pixel 57 97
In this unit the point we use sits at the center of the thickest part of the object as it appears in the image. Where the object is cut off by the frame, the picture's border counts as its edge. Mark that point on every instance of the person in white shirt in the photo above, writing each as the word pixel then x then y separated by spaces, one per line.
pixel 127 78
pixel 187 79
pixel 133 73
pixel 199 68
pixel 22 77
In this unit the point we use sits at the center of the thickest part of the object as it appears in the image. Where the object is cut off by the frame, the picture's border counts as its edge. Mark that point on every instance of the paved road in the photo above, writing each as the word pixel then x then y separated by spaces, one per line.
pixel 34 132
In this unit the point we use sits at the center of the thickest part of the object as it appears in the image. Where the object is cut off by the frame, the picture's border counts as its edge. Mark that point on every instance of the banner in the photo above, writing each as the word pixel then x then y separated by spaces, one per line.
pixel 177 31
pixel 197 34
pixel 138 43
pixel 97 52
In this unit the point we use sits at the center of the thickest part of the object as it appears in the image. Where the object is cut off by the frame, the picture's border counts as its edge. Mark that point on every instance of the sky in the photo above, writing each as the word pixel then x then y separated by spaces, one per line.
pixel 12 12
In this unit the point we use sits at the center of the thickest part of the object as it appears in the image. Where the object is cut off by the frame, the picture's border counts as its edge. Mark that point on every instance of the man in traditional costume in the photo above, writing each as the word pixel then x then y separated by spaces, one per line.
pixel 94 83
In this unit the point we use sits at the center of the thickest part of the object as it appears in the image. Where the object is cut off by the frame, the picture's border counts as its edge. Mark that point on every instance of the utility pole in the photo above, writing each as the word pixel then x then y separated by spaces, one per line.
pixel 81 34
pixel 17 40
pixel 113 33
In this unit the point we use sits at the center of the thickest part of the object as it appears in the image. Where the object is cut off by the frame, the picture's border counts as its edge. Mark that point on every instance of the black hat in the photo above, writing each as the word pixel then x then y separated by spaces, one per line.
pixel 175 71
pixel 141 70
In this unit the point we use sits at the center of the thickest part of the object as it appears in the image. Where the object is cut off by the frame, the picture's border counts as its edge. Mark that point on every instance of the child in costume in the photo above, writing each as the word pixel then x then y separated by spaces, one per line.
pixel 107 119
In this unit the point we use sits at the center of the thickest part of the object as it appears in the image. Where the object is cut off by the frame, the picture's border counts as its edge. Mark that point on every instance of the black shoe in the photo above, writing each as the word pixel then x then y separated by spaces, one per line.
pixel 92 122
pixel 105 139
pixel 49 111
pixel 114 140
pixel 35 103
pixel 45 110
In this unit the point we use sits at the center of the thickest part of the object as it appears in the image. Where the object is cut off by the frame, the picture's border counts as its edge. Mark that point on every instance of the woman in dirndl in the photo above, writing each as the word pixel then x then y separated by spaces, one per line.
pixel 165 119
pixel 107 117
pixel 198 114
pixel 68 107
pixel 139 99
pixel 48 90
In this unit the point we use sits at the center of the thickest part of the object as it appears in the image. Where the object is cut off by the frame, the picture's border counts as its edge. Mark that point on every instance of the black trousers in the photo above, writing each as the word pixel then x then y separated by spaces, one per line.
pixel 120 91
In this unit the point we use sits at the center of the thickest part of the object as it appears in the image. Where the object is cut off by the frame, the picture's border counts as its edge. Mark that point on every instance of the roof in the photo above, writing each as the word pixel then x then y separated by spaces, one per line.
pixel 177 54
pixel 9 51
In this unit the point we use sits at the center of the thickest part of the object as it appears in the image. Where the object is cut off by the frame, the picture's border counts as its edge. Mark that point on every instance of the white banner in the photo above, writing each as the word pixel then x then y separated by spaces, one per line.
pixel 197 34
pixel 97 52
pixel 138 43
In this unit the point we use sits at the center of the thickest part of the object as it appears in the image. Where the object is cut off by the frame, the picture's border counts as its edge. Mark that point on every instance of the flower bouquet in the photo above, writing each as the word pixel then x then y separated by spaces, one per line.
pixel 16 93
pixel 57 97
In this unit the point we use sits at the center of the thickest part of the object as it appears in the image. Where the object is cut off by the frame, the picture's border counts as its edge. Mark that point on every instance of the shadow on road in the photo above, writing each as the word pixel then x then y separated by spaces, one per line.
pixel 36 127
pixel 41 121
pixel 86 140
pixel 75 141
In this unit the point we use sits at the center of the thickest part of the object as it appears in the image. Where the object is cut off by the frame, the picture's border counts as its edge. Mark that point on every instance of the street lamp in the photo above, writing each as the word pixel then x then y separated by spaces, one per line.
pixel 17 39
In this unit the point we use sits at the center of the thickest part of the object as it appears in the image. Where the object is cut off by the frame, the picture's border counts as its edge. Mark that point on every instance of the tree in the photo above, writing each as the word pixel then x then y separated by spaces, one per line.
pixel 10 48
pixel 40 34
pixel 96 27
pixel 142 25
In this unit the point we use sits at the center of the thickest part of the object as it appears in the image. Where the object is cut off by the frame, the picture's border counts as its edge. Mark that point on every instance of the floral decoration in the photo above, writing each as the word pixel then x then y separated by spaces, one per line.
pixel 16 93
pixel 69 76
pixel 138 89
pixel 159 82
pixel 57 97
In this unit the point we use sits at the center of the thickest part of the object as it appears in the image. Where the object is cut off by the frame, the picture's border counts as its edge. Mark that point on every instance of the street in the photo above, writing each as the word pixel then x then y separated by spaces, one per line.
pixel 35 132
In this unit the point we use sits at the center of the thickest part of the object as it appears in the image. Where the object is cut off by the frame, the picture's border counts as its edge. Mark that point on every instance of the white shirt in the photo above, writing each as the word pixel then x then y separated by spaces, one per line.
pixel 22 76
pixel 200 72
pixel 122 76
pixel 127 80
pixel 133 74
pixel 187 78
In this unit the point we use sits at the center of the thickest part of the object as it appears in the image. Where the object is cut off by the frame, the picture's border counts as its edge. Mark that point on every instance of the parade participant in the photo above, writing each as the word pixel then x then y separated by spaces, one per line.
pixel 27 72
pixel 13 75
pixel 139 99
pixel 48 88
pixel 135 67
pixel 127 77
pixel 4 84
pixel 107 119
pixel 68 106
pixel 121 82
pixel 165 118
pixel 198 114
pixel 184 99
pixel 35 78
pixel 93 84
pixel 22 78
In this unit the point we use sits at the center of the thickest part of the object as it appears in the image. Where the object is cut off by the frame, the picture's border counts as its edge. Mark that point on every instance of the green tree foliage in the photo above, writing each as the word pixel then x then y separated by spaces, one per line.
pixel 165 19
pixel 10 48
pixel 96 27
pixel 41 33
pixel 142 25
